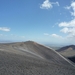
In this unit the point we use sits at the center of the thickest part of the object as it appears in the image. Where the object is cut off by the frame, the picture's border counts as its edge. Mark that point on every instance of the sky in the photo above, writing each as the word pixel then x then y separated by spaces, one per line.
pixel 45 21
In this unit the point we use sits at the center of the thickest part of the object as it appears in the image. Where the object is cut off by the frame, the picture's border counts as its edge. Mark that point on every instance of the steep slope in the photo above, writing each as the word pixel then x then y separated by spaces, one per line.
pixel 35 50
pixel 31 58
pixel 15 64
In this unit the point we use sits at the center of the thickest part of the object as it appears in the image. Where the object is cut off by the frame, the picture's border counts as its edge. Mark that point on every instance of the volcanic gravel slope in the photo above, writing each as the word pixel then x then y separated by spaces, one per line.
pixel 31 58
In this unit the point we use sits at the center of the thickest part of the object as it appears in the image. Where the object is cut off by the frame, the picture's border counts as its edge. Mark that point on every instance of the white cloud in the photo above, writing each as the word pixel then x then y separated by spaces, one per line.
pixel 53 35
pixel 69 31
pixel 68 24
pixel 67 7
pixel 57 3
pixel 68 28
pixel 65 30
pixel 4 29
pixel 47 4
pixel 72 6
pixel 56 36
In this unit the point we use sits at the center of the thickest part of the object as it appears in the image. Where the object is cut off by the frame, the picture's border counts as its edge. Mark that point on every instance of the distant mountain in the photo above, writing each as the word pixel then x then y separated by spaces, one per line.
pixel 70 47
pixel 68 52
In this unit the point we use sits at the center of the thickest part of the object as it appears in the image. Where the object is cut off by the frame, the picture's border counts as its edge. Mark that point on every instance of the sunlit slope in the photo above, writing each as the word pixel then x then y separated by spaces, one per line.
pixel 31 58
pixel 15 64
pixel 35 50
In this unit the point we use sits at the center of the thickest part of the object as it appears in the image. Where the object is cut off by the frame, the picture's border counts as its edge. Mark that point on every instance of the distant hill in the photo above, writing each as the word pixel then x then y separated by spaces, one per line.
pixel 70 47
pixel 68 52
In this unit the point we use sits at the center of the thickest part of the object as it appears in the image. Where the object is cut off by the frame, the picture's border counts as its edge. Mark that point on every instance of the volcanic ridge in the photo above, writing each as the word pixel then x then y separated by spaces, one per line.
pixel 31 58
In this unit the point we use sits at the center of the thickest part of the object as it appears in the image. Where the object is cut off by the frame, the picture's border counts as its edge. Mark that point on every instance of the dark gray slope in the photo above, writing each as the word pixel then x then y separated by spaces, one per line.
pixel 13 64
pixel 33 49
pixel 31 58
